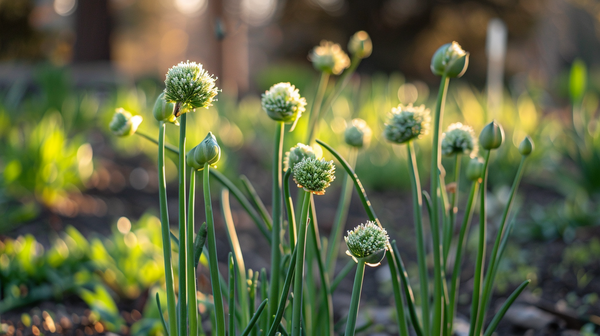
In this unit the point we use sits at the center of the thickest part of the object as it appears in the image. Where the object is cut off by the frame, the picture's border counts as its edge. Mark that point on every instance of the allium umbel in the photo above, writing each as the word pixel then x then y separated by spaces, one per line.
pixel 329 57
pixel 283 102
pixel 314 175
pixel 189 86
pixel 367 240
pixel 358 134
pixel 297 154
pixel 123 123
pixel 459 139
pixel 407 123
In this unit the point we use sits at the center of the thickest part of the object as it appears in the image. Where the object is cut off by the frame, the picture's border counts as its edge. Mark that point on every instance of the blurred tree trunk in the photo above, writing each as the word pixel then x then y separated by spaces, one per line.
pixel 92 28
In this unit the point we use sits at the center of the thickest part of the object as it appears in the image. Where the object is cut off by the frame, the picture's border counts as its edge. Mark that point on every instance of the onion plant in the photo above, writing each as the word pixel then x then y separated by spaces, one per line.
pixel 309 311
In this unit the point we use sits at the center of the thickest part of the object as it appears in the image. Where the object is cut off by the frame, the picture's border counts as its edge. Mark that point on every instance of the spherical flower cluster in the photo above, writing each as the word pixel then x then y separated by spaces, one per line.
pixel 123 123
pixel 358 134
pixel 207 151
pixel 190 86
pixel 459 139
pixel 360 44
pixel 283 102
pixel 329 57
pixel 314 175
pixel 450 60
pixel 407 123
pixel 297 154
pixel 367 241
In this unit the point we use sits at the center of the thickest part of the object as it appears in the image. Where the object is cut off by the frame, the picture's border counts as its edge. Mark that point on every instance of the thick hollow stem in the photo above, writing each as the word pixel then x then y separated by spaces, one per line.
pixel 166 233
pixel 289 205
pixel 435 230
pixel 355 301
pixel 299 273
pixel 182 230
pixel 191 270
pixel 478 276
pixel 316 108
pixel 212 255
pixel 340 217
pixel 277 219
pixel 421 252
pixel 453 208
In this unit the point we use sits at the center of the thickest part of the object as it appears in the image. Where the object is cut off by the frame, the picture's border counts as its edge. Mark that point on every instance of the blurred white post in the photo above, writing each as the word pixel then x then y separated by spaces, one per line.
pixel 496 53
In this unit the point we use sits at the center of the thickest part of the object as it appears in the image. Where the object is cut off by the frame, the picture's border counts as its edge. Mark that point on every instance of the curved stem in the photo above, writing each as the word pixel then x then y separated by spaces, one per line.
pixel 494 259
pixel 277 219
pixel 166 232
pixel 191 274
pixel 435 229
pixel 316 108
pixel 298 276
pixel 289 206
pixel 479 264
pixel 421 252
pixel 355 301
pixel 182 230
pixel 341 215
pixel 504 308
pixel 212 255
pixel 460 244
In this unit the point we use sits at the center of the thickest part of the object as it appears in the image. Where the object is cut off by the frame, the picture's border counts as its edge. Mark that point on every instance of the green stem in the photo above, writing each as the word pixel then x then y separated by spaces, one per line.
pixel 212 255
pixel 277 219
pixel 460 245
pixel 316 108
pixel 284 294
pixel 191 274
pixel 298 276
pixel 421 252
pixel 355 301
pixel 262 209
pixel 341 215
pixel 408 293
pixel 327 300
pixel 395 274
pixel 231 295
pixel 166 232
pixel 289 205
pixel 182 230
pixel 492 327
pixel 494 259
pixel 479 264
pixel 453 208
pixel 259 311
pixel 435 229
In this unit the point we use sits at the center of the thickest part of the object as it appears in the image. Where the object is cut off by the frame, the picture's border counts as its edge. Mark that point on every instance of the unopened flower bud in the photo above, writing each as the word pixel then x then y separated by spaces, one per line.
pixel 123 123
pixel 526 146
pixel 407 123
pixel 283 102
pixel 358 134
pixel 189 86
pixel 367 242
pixel 163 110
pixel 360 44
pixel 314 175
pixel 329 57
pixel 450 60
pixel 475 169
pixel 207 151
pixel 459 139
pixel 492 136
pixel 297 154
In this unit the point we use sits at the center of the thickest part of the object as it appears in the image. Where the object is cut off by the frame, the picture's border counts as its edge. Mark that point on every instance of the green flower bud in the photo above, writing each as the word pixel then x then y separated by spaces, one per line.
pixel 450 60
pixel 360 44
pixel 358 134
pixel 329 57
pixel 314 175
pixel 407 123
pixel 475 169
pixel 492 136
pixel 297 154
pixel 189 86
pixel 526 146
pixel 163 110
pixel 368 242
pixel 207 151
pixel 123 123
pixel 459 139
pixel 282 102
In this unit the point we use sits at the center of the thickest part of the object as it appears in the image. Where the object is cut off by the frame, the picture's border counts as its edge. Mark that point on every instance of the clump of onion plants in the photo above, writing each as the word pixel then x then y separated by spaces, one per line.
pixel 297 246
